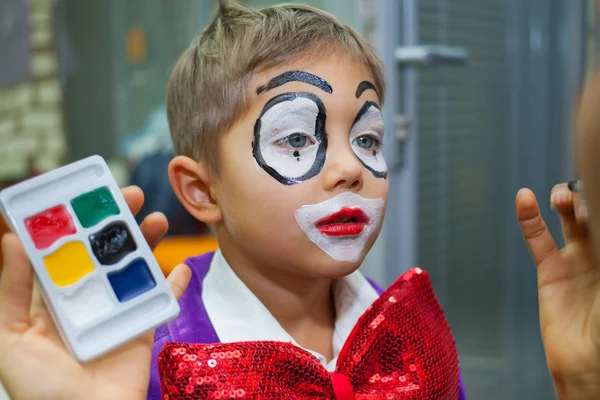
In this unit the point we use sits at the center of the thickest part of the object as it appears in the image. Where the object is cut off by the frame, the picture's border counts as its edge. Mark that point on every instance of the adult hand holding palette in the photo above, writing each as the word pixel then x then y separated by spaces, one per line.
pixel 99 279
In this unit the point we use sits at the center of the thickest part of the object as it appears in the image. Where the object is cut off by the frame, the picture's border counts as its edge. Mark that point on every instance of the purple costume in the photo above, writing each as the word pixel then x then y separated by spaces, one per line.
pixel 193 324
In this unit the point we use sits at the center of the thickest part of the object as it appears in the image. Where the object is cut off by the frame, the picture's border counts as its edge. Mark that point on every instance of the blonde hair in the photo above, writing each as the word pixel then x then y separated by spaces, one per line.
pixel 209 86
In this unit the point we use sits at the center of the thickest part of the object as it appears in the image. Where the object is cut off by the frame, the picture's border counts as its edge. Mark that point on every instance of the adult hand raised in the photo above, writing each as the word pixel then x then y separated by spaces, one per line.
pixel 568 293
pixel 34 362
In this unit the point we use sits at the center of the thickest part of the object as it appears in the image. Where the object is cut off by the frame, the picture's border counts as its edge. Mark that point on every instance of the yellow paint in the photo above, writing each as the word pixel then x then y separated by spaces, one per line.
pixel 68 264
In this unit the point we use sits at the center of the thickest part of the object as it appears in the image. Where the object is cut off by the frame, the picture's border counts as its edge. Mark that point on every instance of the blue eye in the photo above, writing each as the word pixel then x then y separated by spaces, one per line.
pixel 295 141
pixel 367 142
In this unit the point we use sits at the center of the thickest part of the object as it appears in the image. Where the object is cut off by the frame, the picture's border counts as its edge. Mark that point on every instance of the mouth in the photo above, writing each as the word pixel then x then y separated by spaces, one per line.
pixel 346 222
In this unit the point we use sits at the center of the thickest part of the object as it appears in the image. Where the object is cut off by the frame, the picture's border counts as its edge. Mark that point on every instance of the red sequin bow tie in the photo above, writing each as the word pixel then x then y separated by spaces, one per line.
pixel 401 348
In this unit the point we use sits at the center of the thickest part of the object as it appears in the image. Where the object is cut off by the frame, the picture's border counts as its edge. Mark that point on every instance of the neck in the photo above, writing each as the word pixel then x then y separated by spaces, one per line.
pixel 302 305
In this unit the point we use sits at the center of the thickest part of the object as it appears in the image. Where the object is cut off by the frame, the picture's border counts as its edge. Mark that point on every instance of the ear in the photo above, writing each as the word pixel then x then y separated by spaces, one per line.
pixel 190 181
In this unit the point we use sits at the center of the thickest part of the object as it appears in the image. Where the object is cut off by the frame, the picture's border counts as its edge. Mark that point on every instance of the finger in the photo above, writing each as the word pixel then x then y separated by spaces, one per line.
pixel 581 209
pixel 563 200
pixel 579 203
pixel 16 285
pixel 535 231
pixel 134 196
pixel 154 227
pixel 178 279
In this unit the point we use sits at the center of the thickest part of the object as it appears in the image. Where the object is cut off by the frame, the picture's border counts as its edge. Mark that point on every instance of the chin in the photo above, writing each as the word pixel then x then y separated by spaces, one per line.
pixel 320 264
pixel 327 267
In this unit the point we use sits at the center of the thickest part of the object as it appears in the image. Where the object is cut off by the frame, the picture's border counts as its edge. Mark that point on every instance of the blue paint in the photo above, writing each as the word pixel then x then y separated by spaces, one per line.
pixel 132 281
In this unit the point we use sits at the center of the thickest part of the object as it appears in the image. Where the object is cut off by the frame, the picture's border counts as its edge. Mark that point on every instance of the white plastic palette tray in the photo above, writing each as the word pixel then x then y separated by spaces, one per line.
pixel 98 276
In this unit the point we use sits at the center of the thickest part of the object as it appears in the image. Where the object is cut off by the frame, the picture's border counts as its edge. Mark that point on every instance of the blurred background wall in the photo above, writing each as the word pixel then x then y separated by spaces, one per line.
pixel 479 105
pixel 31 96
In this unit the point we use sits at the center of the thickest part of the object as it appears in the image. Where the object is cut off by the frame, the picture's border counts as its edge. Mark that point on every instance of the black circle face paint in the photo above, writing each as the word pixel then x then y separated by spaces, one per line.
pixel 290 143
pixel 366 137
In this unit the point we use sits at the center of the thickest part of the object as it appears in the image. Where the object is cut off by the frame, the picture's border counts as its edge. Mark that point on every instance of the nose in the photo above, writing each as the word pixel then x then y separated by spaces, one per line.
pixel 343 170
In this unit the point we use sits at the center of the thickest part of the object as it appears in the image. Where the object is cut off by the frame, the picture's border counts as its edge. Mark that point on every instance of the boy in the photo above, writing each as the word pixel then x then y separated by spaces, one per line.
pixel 282 107
pixel 275 115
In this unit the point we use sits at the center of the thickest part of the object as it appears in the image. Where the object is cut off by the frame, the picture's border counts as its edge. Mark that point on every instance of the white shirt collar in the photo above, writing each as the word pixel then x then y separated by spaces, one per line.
pixel 238 315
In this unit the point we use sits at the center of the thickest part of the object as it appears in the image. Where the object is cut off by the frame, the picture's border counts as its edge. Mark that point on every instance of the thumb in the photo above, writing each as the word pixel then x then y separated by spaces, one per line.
pixel 16 284
pixel 178 279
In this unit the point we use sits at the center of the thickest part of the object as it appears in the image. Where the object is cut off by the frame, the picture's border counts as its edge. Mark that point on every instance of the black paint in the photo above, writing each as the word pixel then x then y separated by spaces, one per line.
pixel 374 153
pixel 319 134
pixel 376 174
pixel 363 86
pixel 361 112
pixel 296 153
pixel 112 243
pixel 296 76
pixel 576 186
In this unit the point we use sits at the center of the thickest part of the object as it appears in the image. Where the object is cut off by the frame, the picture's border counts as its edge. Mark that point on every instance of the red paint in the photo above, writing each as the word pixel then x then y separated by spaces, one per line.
pixel 346 222
pixel 50 225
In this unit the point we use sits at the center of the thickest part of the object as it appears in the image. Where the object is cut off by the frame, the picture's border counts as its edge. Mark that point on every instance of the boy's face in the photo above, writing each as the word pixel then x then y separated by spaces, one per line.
pixel 303 182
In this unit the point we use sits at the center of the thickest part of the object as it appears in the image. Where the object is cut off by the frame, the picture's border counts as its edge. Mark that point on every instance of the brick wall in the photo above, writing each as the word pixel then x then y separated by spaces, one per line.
pixel 32 135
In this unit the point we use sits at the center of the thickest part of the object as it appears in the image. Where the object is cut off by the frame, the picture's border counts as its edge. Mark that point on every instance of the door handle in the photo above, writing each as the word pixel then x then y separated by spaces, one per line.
pixel 402 124
pixel 431 55
pixel 421 56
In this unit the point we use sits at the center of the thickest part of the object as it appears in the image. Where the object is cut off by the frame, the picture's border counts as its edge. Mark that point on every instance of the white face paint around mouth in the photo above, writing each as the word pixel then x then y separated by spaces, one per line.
pixel 344 247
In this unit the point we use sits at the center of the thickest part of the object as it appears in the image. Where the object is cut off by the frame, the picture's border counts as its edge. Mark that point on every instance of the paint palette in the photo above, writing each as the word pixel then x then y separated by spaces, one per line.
pixel 98 276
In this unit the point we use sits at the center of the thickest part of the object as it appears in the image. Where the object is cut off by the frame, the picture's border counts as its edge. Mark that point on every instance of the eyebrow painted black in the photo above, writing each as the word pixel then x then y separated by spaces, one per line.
pixel 296 76
pixel 364 86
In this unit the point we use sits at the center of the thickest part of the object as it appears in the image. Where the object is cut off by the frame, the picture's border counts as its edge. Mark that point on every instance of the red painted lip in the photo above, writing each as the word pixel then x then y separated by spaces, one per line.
pixel 346 222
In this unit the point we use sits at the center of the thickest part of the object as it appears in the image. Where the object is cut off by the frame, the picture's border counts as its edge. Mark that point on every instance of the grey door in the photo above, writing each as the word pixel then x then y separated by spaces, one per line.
pixel 478 132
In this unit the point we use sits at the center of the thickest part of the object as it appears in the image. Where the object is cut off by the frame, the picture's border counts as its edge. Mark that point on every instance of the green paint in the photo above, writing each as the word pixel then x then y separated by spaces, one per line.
pixel 92 207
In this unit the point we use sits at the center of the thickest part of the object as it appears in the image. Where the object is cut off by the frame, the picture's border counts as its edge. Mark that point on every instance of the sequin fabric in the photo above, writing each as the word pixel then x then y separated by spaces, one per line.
pixel 401 348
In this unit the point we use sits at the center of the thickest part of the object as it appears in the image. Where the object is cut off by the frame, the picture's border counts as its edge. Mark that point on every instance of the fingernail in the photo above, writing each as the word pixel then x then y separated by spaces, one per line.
pixel 576 186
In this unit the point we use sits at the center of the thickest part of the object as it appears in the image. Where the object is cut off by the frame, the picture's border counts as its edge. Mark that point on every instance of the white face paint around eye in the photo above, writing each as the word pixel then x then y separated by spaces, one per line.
pixel 366 137
pixel 289 137
pixel 341 225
